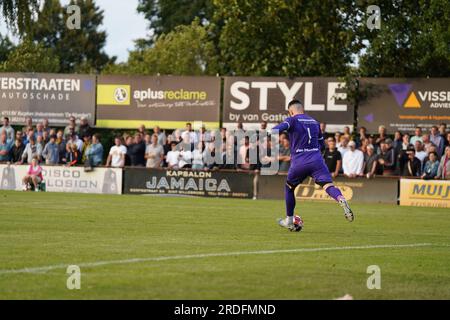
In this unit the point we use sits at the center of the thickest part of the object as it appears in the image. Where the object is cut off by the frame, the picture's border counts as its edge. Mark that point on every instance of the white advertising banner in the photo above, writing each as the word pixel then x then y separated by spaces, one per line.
pixel 65 179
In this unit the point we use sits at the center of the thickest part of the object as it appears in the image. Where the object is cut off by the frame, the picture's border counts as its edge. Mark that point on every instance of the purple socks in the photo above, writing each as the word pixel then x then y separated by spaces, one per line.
pixel 290 200
pixel 335 193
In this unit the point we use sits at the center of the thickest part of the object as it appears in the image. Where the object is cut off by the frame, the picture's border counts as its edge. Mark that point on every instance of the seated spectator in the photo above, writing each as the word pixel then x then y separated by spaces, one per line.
pixel 387 159
pixel 51 152
pixel 34 175
pixel 116 157
pixel 17 151
pixel 371 167
pixel 94 153
pixel 417 136
pixel 73 156
pixel 154 153
pixel 197 156
pixel 337 138
pixel 437 140
pixel 185 157
pixel 5 147
pixel 353 161
pixel 431 167
pixel 31 151
pixel 363 145
pixel 332 157
pixel 444 166
pixel 371 140
pixel 10 134
pixel 136 151
pixel 84 129
pixel 412 165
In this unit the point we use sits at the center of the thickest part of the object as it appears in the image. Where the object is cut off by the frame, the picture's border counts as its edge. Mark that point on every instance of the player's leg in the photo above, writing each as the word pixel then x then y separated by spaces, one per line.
pixel 323 178
pixel 294 178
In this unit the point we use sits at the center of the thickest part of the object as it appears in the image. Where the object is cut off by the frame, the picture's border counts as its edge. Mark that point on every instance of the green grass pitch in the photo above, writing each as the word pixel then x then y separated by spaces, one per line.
pixel 197 248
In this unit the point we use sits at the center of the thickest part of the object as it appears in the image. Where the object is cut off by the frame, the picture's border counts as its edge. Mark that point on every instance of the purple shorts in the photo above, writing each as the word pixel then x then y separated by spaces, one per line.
pixel 299 171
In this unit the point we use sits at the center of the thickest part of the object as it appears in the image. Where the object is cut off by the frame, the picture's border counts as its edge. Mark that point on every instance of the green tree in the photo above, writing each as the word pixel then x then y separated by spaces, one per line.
pixel 165 15
pixel 414 40
pixel 79 50
pixel 30 57
pixel 6 46
pixel 185 51
pixel 285 38
pixel 18 13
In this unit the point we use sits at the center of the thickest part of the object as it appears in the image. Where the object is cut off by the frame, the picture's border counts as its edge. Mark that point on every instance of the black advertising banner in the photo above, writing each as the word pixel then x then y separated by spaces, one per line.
pixel 192 183
pixel 56 97
pixel 378 190
pixel 403 104
pixel 252 100
pixel 166 101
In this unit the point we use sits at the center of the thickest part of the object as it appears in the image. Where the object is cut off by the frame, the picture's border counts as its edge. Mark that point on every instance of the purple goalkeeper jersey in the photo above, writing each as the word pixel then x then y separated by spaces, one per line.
pixel 305 138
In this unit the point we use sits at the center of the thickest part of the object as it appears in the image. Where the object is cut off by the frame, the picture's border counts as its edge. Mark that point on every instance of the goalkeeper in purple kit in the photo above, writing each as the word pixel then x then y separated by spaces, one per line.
pixel 306 142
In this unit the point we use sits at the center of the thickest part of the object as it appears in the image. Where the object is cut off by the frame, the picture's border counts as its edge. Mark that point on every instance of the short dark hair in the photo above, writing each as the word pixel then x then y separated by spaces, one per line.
pixel 5 118
pixel 295 101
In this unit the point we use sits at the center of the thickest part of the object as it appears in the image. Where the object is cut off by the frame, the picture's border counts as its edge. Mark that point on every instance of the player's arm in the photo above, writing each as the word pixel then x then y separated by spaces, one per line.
pixel 284 126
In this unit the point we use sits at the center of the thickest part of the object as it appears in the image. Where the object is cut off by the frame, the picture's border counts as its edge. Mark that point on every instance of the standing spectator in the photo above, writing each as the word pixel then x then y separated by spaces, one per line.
pixel 28 125
pixel 333 158
pixel 382 136
pixel 84 129
pixel 443 133
pixel 73 156
pixel 284 157
pixel 344 146
pixel 172 156
pixel 444 166
pixel 361 136
pixel 387 157
pixel 17 151
pixel 136 151
pixel 61 142
pixel 323 129
pixel 32 150
pixel 51 152
pixel 405 143
pixel 5 147
pixel 447 143
pixel 363 145
pixel 154 152
pixel 185 157
pixel 161 135
pixel 193 137
pixel 337 138
pixel 371 140
pixel 94 153
pixel 72 138
pixel 116 157
pixel 141 130
pixel 412 165
pixel 397 143
pixel 353 161
pixel 39 130
pixel 10 134
pixel 29 134
pixel 426 142
pixel 417 136
pixel 87 141
pixel 347 132
pixel 437 140
pixel 34 175
pixel 197 156
pixel 371 167
pixel 431 167
pixel 148 139
pixel 46 126
pixel 420 153
pixel 204 135
pixel 71 127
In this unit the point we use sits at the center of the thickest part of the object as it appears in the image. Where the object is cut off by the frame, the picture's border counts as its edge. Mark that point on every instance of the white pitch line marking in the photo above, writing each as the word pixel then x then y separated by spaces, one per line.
pixel 208 255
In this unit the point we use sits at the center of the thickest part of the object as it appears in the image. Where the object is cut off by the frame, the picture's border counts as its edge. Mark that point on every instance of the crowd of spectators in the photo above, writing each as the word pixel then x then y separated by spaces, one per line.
pixel 424 155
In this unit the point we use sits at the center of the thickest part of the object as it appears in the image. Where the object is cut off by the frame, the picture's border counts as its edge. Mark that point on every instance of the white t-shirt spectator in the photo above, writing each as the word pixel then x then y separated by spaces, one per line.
pixel 421 155
pixel 172 159
pixel 353 162
pixel 185 159
pixel 156 154
pixel 116 153
pixel 343 150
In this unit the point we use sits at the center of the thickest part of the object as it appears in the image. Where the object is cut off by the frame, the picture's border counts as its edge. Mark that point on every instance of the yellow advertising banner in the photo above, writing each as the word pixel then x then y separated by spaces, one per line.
pixel 425 193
